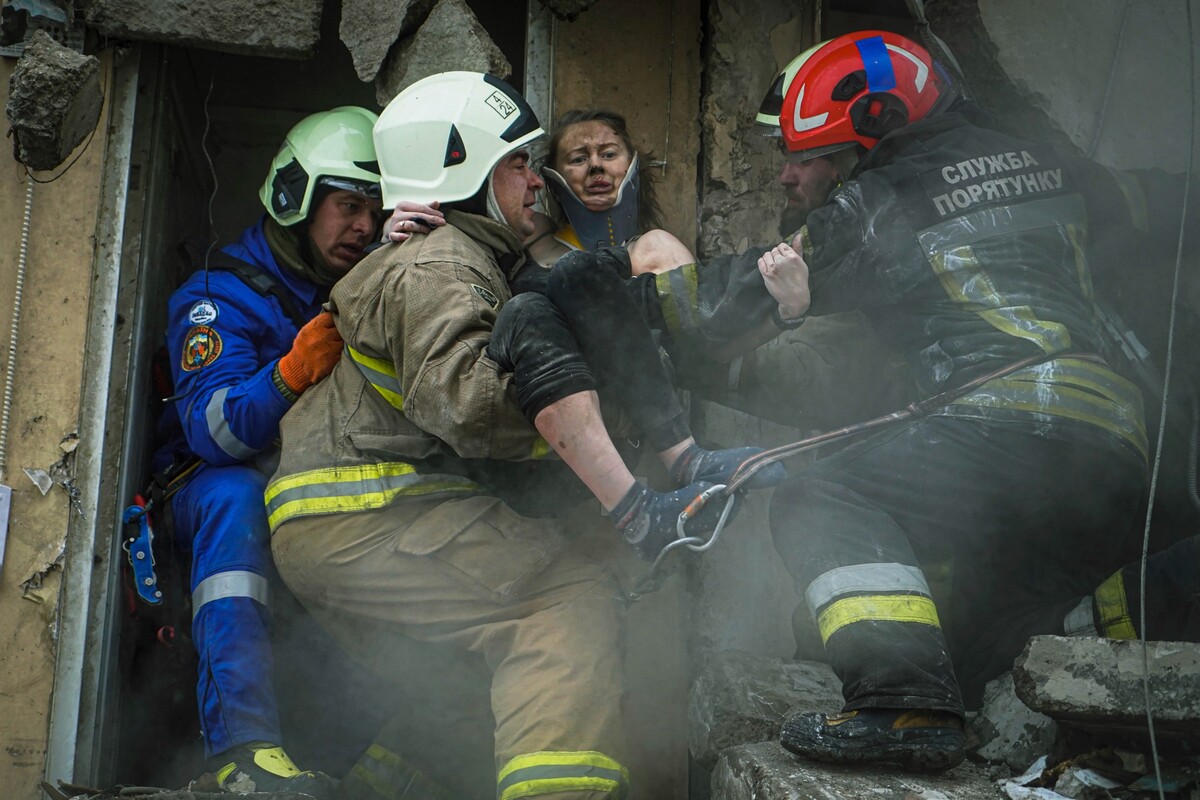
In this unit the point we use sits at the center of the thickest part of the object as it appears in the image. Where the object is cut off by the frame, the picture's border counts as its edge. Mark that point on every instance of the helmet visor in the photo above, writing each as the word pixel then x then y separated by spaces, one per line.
pixel 369 190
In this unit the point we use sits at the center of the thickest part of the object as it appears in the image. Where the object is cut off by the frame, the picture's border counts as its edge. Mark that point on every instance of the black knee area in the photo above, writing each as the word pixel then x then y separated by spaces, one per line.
pixel 532 340
pixel 584 288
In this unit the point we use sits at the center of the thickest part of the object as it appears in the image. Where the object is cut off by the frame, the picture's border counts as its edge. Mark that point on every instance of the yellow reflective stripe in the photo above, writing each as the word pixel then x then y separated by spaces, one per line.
pixel 1135 199
pixel 876 608
pixel 381 374
pixel 806 245
pixel 965 281
pixel 353 488
pixel 566 235
pixel 1077 235
pixel 678 294
pixel 551 772
pixel 1113 608
pixel 541 448
pixel 1062 401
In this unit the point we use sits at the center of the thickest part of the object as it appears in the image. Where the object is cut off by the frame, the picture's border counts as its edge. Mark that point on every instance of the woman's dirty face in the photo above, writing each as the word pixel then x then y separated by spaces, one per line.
pixel 593 160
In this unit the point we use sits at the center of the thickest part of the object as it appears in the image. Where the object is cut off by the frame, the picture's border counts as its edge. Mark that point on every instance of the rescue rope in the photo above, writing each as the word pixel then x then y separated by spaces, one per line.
pixel 748 468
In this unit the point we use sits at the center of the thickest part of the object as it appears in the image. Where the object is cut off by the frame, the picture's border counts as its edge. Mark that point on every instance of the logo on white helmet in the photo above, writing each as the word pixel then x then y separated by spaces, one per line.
pixel 501 105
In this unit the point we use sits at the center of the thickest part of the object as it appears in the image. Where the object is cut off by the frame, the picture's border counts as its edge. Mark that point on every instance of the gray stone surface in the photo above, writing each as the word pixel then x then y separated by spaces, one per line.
pixel 1098 683
pixel 739 698
pixel 287 28
pixel 369 28
pixel 54 101
pixel 747 43
pixel 451 38
pixel 766 771
pixel 1006 730
pixel 567 9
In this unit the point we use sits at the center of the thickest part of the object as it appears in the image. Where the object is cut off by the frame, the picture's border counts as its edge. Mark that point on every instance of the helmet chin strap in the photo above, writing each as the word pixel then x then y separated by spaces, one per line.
pixel 596 229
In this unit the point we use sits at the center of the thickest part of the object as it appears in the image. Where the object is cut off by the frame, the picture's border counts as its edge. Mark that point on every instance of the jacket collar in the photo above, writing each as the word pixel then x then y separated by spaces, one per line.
pixel 253 247
pixel 499 238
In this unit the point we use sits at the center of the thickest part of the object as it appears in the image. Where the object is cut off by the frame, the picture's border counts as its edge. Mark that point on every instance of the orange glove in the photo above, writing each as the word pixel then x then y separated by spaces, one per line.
pixel 317 347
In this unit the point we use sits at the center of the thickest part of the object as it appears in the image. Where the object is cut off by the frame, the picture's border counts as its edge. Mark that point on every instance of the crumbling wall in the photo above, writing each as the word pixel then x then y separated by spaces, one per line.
pixel 51 344
pixel 747 43
pixel 282 28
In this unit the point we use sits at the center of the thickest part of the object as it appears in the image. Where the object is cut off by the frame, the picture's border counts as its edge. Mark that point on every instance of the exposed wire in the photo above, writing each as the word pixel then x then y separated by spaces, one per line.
pixel 78 156
pixel 1162 423
pixel 1112 76
pixel 212 170
pixel 14 327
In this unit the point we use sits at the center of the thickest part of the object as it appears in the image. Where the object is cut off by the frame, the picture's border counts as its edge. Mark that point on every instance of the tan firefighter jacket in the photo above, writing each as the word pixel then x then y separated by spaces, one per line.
pixel 415 407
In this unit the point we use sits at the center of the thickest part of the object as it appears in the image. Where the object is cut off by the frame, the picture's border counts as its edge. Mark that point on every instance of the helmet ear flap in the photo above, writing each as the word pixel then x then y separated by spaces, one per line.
pixel 287 190
pixel 877 114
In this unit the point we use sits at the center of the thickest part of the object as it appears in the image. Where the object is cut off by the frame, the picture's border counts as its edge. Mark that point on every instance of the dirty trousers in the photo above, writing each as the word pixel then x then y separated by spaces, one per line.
pixel 1014 525
pixel 474 574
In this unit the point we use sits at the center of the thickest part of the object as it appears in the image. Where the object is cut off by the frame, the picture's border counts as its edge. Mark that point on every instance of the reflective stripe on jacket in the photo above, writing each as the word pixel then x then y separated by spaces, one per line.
pixel 223 339
pixel 968 250
pixel 415 406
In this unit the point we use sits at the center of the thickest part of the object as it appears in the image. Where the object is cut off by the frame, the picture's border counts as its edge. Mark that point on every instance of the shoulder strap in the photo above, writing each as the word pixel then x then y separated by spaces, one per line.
pixel 262 282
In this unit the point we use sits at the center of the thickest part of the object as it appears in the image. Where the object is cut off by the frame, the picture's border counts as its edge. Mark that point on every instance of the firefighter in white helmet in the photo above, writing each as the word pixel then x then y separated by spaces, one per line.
pixel 393 504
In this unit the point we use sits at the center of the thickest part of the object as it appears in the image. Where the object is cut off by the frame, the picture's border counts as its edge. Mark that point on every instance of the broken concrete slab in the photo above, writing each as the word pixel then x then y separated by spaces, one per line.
pixel 739 698
pixel 54 101
pixel 369 28
pixel 451 38
pixel 766 771
pixel 1098 683
pixel 279 28
pixel 1006 730
pixel 567 9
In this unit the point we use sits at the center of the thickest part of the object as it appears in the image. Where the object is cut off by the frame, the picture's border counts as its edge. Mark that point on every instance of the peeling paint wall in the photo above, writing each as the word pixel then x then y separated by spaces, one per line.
pixel 45 409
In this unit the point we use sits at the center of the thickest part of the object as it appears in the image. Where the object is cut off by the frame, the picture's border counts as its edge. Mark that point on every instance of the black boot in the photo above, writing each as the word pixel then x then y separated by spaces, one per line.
pixel 923 741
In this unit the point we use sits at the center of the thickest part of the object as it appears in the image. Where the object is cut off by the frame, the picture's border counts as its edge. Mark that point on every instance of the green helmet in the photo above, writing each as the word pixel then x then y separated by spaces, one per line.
pixel 330 148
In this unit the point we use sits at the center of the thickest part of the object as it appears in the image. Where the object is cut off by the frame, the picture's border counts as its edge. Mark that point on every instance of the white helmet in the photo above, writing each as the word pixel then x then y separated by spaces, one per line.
pixel 440 138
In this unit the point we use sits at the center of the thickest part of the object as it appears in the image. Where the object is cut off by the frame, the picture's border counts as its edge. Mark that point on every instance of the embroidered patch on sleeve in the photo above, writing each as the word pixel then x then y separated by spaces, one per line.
pixel 201 347
pixel 204 312
pixel 486 295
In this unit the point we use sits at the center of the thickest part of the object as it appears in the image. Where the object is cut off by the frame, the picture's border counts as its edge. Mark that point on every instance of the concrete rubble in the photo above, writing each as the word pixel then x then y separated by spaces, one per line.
pixel 451 38
pixel 1097 684
pixel 54 102
pixel 740 698
pixel 281 28
pixel 766 770
pixel 369 28
pixel 1006 730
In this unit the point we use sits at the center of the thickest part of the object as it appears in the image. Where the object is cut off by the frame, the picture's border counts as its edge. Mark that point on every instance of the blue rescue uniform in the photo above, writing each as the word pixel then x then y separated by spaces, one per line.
pixel 224 339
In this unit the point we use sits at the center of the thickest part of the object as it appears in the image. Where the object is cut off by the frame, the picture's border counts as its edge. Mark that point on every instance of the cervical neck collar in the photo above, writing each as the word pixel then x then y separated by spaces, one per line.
pixel 596 229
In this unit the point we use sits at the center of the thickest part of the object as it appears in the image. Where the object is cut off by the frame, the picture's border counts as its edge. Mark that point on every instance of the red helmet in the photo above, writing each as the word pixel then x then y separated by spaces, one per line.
pixel 856 88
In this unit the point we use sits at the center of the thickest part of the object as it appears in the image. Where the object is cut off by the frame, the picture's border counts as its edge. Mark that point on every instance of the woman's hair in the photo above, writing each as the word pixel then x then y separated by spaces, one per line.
pixel 649 214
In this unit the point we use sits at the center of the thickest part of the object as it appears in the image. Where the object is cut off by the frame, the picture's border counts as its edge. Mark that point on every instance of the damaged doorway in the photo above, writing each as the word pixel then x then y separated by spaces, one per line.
pixel 206 127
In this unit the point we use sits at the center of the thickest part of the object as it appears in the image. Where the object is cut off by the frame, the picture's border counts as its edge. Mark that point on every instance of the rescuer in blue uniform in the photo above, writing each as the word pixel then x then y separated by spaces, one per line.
pixel 246 336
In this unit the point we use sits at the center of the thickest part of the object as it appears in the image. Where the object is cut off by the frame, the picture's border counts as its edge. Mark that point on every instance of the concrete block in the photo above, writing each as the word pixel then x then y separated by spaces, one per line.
pixel 54 101
pixel 739 698
pixel 766 771
pixel 451 38
pixel 281 28
pixel 1098 683
pixel 1006 730
pixel 567 9
pixel 369 28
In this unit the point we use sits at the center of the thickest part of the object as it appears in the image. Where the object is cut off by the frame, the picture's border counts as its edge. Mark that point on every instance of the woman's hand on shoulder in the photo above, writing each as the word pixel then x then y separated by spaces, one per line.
pixel 409 218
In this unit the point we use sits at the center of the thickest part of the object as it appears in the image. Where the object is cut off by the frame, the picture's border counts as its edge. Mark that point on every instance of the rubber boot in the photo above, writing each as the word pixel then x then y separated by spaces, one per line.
pixel 922 741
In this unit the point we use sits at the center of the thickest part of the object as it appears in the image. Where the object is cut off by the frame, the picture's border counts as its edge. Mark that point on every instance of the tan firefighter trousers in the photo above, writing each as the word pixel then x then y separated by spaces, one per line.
pixel 474 573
